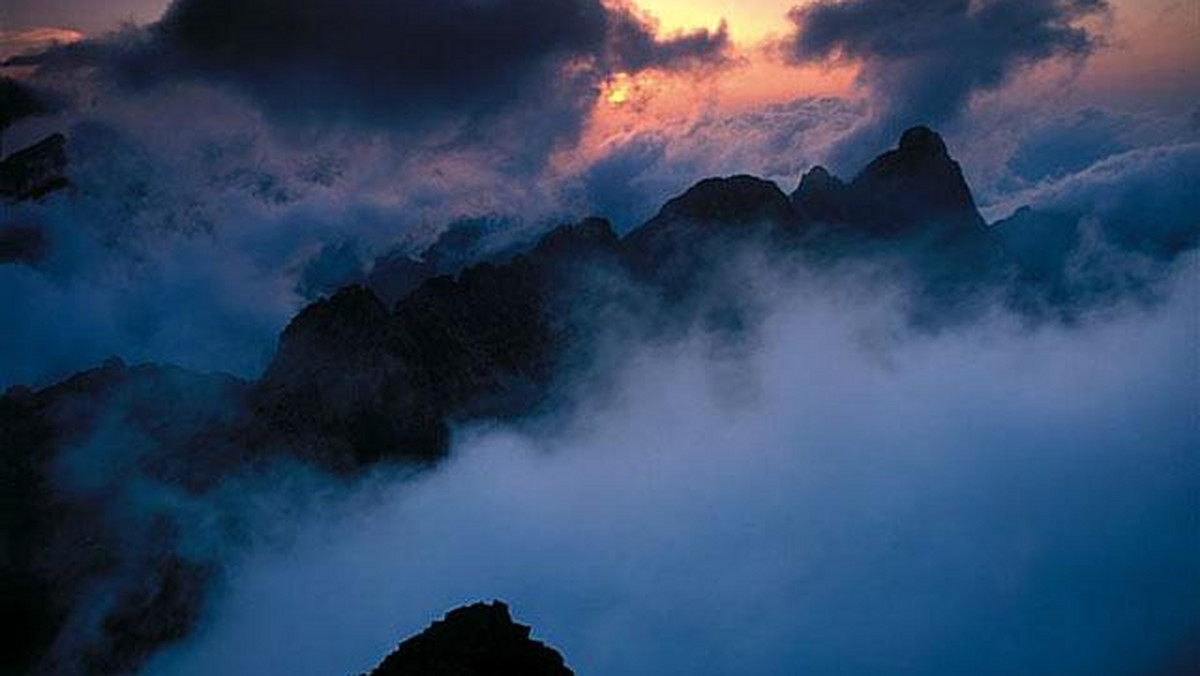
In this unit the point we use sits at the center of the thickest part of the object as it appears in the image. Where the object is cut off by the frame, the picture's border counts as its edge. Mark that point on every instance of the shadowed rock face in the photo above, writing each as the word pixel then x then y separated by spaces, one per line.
pixel 35 171
pixel 69 459
pixel 913 187
pixel 821 197
pixel 916 185
pixel 352 382
pixel 475 640
pixel 715 207
pixel 462 244
pixel 29 174
pixel 910 204
pixel 21 244
pixel 694 232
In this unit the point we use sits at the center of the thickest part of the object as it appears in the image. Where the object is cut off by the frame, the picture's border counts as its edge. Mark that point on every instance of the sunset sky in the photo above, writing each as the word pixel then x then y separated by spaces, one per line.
pixel 1152 53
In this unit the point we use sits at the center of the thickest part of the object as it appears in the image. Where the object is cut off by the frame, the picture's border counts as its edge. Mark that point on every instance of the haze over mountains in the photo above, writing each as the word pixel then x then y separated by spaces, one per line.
pixel 119 480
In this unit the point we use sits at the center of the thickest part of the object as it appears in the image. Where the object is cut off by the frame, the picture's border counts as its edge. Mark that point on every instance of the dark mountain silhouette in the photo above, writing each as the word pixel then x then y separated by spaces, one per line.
pixel 358 379
pixel 64 529
pixel 353 382
pixel 821 197
pixel 911 204
pixel 705 225
pixel 475 640
pixel 917 185
pixel 463 243
pixel 21 244
pixel 34 171
pixel 28 174
pixel 18 101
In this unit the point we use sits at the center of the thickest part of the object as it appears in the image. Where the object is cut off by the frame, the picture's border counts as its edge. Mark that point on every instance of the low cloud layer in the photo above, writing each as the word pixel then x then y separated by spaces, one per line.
pixel 922 62
pixel 837 494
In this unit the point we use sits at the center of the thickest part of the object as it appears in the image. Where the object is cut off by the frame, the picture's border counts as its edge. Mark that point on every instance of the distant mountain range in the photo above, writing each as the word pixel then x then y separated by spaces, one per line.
pixel 380 371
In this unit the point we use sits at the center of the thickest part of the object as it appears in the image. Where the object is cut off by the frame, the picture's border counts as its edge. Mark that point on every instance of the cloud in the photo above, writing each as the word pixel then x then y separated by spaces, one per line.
pixel 839 496
pixel 633 174
pixel 923 61
pixel 255 134
pixel 186 242
pixel 463 71
pixel 1144 200
pixel 1067 145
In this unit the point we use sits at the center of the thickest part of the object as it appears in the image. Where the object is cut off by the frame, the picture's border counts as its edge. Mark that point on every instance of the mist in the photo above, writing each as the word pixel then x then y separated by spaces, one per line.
pixel 832 491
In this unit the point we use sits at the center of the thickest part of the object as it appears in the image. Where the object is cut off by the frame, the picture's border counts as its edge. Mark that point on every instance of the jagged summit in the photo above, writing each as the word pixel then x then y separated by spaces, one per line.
pixel 35 171
pixel 742 199
pixel 921 140
pixel 475 640
pixel 915 185
pixel 588 237
pixel 820 197
pixel 915 188
pixel 699 226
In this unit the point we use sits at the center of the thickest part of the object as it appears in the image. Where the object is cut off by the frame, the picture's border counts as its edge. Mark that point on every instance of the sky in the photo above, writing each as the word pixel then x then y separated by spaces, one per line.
pixel 1151 56
pixel 1017 486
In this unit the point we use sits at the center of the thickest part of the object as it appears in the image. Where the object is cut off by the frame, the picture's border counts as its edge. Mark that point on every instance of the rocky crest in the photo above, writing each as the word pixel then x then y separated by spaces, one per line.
pixel 353 382
pixel 915 186
pixel 475 640
pixel 35 171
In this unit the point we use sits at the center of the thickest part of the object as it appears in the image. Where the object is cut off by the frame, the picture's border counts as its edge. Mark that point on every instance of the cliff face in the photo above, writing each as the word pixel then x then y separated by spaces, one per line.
pixel 353 382
pixel 475 640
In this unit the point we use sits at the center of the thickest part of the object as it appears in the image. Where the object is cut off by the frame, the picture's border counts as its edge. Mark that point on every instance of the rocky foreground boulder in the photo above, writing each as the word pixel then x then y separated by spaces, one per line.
pixel 475 640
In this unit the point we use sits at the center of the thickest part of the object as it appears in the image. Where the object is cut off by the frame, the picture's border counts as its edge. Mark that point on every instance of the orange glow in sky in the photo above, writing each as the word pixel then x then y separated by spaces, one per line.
pixel 749 20
pixel 754 78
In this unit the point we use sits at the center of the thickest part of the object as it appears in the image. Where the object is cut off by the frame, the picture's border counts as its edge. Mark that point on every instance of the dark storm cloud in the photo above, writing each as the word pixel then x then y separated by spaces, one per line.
pixel 463 62
pixel 923 60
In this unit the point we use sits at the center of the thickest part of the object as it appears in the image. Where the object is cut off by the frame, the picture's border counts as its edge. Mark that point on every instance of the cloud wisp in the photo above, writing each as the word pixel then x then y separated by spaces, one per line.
pixel 922 62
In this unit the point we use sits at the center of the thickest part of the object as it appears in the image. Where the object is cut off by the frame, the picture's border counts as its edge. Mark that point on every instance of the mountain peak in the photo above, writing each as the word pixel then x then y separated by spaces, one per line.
pixel 914 185
pixel 714 206
pixel 733 198
pixel 819 197
pixel 475 640
pixel 818 177
pixel 590 236
pixel 923 140
pixel 34 171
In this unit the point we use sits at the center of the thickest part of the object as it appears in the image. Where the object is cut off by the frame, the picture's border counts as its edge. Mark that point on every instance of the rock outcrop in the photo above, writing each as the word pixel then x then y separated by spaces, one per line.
pixel 475 640
pixel 35 171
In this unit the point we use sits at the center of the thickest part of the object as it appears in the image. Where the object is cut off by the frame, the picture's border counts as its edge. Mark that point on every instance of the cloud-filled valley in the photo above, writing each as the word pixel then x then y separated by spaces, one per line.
pixel 320 320
pixel 837 494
